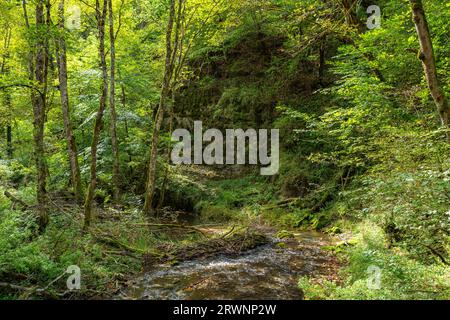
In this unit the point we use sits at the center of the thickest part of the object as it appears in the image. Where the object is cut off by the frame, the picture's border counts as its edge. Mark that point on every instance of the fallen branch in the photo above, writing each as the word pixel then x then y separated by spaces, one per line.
pixel 28 291
pixel 117 244
pixel 172 226
pixel 24 85
pixel 282 204
pixel 15 200
pixel 13 287
pixel 437 254
pixel 228 233
pixel 125 253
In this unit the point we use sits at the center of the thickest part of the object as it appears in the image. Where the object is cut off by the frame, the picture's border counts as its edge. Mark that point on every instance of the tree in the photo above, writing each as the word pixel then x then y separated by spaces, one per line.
pixel 168 70
pixel 40 73
pixel 5 70
pixel 184 27
pixel 112 107
pixel 177 65
pixel 63 88
pixel 100 14
pixel 428 59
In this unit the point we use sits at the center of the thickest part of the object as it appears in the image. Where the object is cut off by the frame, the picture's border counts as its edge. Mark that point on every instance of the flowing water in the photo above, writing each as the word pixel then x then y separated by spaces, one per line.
pixel 268 272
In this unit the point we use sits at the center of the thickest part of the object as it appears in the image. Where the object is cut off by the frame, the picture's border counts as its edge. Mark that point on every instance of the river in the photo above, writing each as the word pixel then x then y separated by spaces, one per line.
pixel 268 272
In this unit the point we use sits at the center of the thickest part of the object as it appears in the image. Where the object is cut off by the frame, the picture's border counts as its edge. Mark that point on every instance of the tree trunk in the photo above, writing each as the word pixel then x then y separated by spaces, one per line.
pixel 9 146
pixel 151 179
pixel 162 194
pixel 429 63
pixel 63 88
pixel 177 50
pixel 39 106
pixel 101 17
pixel 127 134
pixel 322 61
pixel 5 70
pixel 112 106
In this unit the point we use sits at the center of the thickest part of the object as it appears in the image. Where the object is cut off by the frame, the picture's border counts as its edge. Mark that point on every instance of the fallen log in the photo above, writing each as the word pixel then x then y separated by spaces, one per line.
pixel 233 245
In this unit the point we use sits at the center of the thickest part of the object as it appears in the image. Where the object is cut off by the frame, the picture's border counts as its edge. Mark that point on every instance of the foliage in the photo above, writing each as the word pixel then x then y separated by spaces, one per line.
pixel 360 138
pixel 402 278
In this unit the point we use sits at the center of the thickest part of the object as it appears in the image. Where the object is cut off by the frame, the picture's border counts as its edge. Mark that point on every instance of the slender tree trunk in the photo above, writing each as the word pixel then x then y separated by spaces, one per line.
pixel 429 63
pixel 124 105
pixel 112 106
pixel 101 17
pixel 9 145
pixel 166 171
pixel 39 106
pixel 63 88
pixel 31 52
pixel 127 134
pixel 151 179
pixel 177 50
pixel 5 71
pixel 322 52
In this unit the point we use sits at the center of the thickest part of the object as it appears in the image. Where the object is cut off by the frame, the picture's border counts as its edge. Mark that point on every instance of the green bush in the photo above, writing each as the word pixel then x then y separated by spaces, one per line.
pixel 401 277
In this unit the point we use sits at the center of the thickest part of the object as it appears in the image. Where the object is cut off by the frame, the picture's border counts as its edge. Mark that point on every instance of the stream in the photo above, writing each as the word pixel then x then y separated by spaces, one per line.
pixel 268 272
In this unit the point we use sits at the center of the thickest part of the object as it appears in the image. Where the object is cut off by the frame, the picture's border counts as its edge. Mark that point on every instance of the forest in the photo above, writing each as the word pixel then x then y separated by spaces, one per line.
pixel 119 177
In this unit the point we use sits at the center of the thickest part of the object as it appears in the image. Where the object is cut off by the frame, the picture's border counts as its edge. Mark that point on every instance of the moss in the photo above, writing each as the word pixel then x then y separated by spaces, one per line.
pixel 283 234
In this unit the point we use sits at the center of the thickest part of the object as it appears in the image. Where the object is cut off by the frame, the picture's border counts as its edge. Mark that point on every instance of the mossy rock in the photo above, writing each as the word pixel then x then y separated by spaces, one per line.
pixel 174 263
pixel 281 245
pixel 334 230
pixel 284 234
